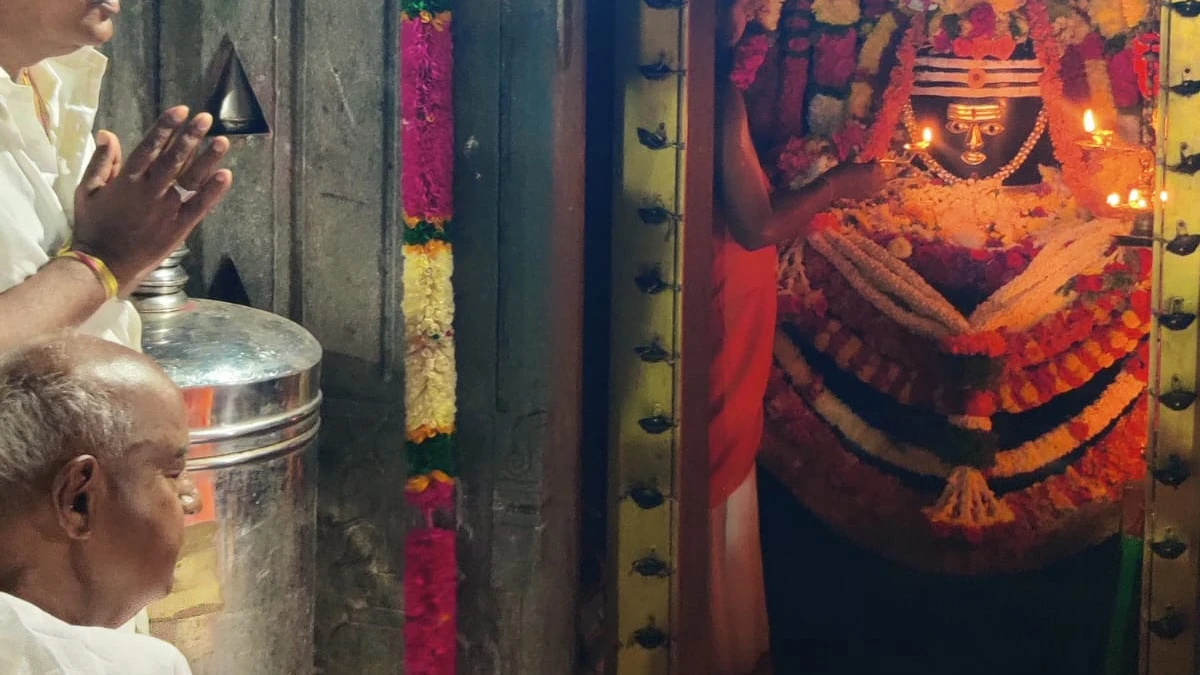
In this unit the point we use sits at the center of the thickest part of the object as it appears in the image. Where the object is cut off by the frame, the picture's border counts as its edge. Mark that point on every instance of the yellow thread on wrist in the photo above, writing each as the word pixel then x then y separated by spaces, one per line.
pixel 98 268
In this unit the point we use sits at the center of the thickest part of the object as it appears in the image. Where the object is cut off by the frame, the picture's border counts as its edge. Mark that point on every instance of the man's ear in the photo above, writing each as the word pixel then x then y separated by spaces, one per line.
pixel 73 490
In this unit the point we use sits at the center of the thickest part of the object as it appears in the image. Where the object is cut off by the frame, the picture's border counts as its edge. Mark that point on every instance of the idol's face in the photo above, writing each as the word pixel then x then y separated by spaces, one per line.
pixel 971 125
pixel 976 137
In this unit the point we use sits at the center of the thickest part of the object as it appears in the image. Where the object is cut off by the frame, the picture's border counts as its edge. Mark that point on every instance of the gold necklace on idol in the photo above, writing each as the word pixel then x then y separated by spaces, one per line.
pixel 1039 128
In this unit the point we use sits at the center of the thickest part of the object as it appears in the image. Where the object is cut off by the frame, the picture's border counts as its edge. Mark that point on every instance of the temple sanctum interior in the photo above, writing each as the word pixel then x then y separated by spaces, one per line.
pixel 682 337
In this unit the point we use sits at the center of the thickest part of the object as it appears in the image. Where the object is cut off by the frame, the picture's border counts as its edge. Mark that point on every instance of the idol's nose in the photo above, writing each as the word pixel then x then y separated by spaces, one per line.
pixel 974 138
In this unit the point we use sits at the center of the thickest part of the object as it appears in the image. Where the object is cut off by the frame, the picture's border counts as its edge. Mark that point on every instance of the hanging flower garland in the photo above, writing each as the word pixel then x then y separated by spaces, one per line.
pixel 900 86
pixel 866 502
pixel 793 75
pixel 1064 128
pixel 426 186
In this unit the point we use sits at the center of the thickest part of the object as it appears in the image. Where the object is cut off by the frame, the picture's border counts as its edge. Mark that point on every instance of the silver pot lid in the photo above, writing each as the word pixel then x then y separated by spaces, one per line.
pixel 246 374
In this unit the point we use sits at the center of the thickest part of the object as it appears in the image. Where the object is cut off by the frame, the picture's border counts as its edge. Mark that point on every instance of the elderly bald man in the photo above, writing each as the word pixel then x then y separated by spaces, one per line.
pixel 93 491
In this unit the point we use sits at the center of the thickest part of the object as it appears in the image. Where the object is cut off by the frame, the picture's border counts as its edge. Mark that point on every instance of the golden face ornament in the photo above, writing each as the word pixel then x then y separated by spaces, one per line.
pixel 977 120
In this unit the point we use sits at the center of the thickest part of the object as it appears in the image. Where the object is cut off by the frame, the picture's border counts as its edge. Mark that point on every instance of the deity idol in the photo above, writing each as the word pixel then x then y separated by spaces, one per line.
pixel 988 115
pixel 961 364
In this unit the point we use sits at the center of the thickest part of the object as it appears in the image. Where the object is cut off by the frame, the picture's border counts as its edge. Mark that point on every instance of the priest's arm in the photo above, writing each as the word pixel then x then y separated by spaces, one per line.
pixel 757 218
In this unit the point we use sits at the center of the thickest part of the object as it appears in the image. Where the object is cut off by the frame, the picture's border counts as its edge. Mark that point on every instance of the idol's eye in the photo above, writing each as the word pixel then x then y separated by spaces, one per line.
pixel 992 128
pixel 957 127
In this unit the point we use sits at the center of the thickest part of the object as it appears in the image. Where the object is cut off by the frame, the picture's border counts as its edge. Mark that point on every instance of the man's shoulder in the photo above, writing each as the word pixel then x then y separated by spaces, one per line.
pixel 34 641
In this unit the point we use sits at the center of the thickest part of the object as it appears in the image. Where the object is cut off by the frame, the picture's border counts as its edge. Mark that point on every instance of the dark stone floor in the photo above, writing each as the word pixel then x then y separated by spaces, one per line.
pixel 837 610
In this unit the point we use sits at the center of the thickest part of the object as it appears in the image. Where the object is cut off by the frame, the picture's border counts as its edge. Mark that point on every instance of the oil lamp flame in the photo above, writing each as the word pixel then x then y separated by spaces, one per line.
pixel 1114 200
pixel 923 144
pixel 1097 138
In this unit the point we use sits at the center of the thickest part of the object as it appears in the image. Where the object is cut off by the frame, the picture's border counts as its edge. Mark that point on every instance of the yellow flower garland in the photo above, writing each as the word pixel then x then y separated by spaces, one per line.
pixel 1135 12
pixel 428 306
pixel 871 55
pixel 837 12
pixel 1108 17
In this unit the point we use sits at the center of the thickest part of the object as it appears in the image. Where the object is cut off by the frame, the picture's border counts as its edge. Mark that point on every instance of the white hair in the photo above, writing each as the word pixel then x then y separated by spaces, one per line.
pixel 49 414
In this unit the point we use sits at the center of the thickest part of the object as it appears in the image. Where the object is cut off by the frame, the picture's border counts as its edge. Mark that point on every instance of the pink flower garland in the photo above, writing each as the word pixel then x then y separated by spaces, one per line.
pixel 430 586
pixel 426 194
pixel 427 122
pixel 1074 75
pixel 835 58
pixel 748 58
pixel 1123 74
pixel 797 50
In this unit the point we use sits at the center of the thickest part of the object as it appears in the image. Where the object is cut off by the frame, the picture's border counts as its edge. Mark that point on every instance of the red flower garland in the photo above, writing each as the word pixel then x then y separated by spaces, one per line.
pixel 1062 352
pixel 949 266
pixel 1021 387
pixel 794 160
pixel 430 584
pixel 835 59
pixel 748 57
pixel 873 9
pixel 849 138
pixel 870 506
pixel 1122 72
pixel 879 331
pixel 1064 131
pixel 1074 75
pixel 793 85
pixel 427 109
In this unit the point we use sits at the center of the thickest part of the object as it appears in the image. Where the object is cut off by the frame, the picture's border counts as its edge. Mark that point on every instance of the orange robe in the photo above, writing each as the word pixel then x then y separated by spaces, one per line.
pixel 743 330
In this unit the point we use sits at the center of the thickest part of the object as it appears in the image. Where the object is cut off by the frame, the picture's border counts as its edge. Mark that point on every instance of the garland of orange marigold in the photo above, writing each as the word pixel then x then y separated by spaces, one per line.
pixel 896 95
pixel 1066 148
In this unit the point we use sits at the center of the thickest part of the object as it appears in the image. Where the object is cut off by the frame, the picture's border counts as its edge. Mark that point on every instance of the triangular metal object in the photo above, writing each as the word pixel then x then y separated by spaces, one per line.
pixel 227 285
pixel 233 105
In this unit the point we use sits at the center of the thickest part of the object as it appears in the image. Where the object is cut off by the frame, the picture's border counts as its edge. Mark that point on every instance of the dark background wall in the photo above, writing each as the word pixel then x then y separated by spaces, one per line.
pixel 311 231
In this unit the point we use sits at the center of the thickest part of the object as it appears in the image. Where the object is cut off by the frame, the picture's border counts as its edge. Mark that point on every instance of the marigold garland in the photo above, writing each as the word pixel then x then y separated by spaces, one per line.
pixel 1022 386
pixel 1095 66
pixel 1065 130
pixel 897 93
pixel 426 194
pixel 871 506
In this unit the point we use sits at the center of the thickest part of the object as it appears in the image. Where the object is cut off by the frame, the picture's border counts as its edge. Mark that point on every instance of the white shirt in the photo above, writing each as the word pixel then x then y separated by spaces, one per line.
pixel 33 642
pixel 39 173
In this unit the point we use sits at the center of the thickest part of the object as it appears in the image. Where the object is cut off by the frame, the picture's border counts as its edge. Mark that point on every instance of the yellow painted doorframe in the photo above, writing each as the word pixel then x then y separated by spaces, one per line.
pixel 661 234
pixel 661 244
pixel 1171 568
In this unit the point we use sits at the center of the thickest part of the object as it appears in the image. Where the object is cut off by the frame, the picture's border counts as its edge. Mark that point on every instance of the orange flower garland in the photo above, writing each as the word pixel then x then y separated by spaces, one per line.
pixel 1064 130
pixel 870 505
pixel 896 95
pixel 1019 390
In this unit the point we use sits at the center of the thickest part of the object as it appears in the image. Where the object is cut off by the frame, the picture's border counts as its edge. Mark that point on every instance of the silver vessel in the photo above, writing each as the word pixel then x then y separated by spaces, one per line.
pixel 243 597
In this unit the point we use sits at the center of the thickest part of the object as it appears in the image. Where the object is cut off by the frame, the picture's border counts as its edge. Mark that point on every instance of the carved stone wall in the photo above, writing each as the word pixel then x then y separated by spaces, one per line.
pixel 311 232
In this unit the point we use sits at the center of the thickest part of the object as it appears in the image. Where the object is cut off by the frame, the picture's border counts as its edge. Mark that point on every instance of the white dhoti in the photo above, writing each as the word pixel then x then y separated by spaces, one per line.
pixel 738 601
